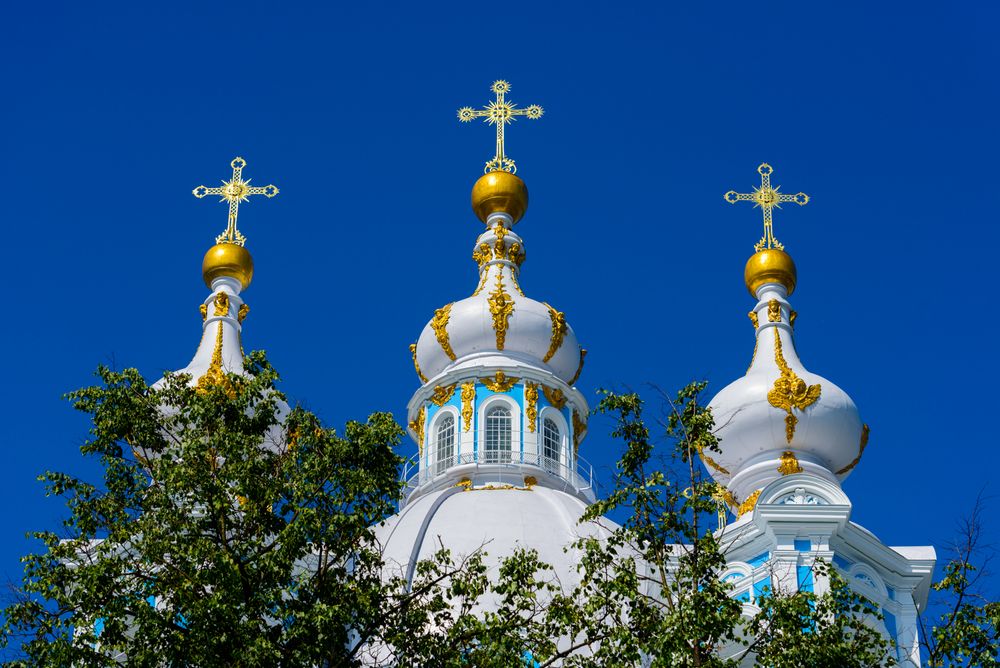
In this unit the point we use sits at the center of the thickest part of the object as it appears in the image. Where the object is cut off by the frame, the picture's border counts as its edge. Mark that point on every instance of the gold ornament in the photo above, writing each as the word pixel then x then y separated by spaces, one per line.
pixel 559 329
pixel 792 316
pixel 790 391
pixel 203 309
pixel 439 323
pixel 774 311
pixel 234 191
pixel 767 198
pixel 748 505
pixel 753 318
pixel 789 464
pixel 468 397
pixel 416 365
pixel 243 312
pixel 417 426
pixel 500 112
pixel 531 404
pixel 442 394
pixel 227 260
pixel 499 382
pixel 221 303
pixel 501 308
pixel 554 396
pixel 861 450
pixel 579 369
pixel 711 462
pixel 499 192
pixel 770 266
pixel 215 375
pixel 579 426
pixel 482 254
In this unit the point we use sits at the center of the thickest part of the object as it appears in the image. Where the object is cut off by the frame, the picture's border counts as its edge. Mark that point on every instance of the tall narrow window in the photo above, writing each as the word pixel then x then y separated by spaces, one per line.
pixel 498 435
pixel 551 443
pixel 444 447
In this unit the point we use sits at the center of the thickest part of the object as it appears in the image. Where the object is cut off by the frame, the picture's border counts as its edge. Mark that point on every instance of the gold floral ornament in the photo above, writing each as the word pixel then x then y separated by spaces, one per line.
pixel 442 394
pixel 468 398
pixel 753 318
pixel 416 365
pixel 559 329
pixel 501 308
pixel 788 463
pixel 711 463
pixel 749 504
pixel 417 425
pixel 500 382
pixel 500 112
pixel 482 254
pixel 767 198
pixel 865 431
pixel 579 426
pixel 439 323
pixel 234 191
pixel 221 303
pixel 790 391
pixel 531 404
pixel 215 375
pixel 579 369
pixel 554 396
pixel 243 312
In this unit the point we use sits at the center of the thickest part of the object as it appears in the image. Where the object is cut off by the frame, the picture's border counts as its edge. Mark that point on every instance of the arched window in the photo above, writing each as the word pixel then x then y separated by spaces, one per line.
pixel 444 444
pixel 551 443
pixel 498 435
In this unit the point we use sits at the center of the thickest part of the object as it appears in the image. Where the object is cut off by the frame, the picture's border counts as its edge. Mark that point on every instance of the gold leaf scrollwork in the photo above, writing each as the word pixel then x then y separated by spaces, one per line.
pixel 559 329
pixel 417 425
pixel 792 316
pixel 753 318
pixel 215 375
pixel 861 450
pixel 221 303
pixel 468 397
pixel 499 245
pixel 416 365
pixel 790 391
pixel 500 382
pixel 749 504
pixel 554 396
pixel 579 369
pixel 711 463
pixel 203 309
pixel 501 308
pixel 439 323
pixel 482 254
pixel 789 464
pixel 485 274
pixel 579 426
pixel 443 393
pixel 531 404
pixel 774 311
pixel 243 312
pixel 516 254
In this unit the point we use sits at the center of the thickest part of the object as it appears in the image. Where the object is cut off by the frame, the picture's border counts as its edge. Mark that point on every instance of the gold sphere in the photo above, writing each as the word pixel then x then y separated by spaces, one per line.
pixel 499 192
pixel 227 260
pixel 770 266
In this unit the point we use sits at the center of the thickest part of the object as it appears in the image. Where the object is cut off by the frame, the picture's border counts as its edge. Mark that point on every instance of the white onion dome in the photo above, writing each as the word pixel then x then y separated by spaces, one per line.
pixel 498 319
pixel 780 418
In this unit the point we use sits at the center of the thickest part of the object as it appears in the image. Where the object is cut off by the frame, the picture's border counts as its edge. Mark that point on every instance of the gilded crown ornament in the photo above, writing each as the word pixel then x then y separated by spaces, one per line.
pixel 767 198
pixel 500 112
pixel 234 191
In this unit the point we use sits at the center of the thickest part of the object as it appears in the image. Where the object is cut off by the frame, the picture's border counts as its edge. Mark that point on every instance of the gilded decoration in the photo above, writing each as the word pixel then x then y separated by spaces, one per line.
pixel 417 426
pixel 774 311
pixel 579 425
pixel 482 254
pixel 531 404
pixel 499 382
pixel 711 463
pixel 234 191
pixel 468 398
pixel 215 376
pixel 789 464
pixel 554 396
pixel 439 323
pixel 443 393
pixel 579 369
pixel 416 365
pixel 559 329
pixel 790 391
pixel 203 309
pixel 482 281
pixel 501 308
pixel 792 315
pixel 748 505
pixel 861 450
pixel 243 312
pixel 753 318
pixel 530 481
pixel 767 197
pixel 221 303
pixel 500 112
pixel 753 357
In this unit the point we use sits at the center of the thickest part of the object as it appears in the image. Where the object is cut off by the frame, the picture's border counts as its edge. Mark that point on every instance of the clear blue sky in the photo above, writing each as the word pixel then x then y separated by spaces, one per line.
pixel 885 113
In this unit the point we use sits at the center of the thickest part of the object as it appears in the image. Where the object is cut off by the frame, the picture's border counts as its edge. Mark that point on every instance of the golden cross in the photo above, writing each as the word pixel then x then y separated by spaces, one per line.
pixel 766 198
pixel 234 191
pixel 500 112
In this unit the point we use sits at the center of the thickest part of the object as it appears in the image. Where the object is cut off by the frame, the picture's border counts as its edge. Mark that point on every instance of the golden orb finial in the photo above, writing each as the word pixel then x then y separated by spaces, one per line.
pixel 227 259
pixel 499 192
pixel 770 265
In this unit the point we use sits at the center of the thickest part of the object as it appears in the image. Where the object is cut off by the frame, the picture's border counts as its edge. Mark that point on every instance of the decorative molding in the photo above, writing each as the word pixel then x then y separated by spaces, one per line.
pixel 774 311
pixel 579 369
pixel 439 323
pixel 221 303
pixel 501 308
pixel 468 398
pixel 531 404
pixel 790 391
pixel 861 450
pixel 499 382
pixel 789 464
pixel 443 394
pixel 554 396
pixel 559 330
pixel 417 426
pixel 416 365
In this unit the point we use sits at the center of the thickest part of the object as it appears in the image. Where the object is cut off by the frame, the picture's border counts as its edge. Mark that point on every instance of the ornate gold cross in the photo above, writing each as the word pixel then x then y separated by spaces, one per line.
pixel 500 112
pixel 234 191
pixel 767 198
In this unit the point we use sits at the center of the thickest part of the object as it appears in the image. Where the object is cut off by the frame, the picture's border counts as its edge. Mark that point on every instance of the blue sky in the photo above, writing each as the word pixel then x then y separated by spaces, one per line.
pixel 885 113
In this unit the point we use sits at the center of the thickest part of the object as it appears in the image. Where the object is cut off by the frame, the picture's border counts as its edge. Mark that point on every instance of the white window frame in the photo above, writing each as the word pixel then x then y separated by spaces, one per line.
pixel 566 460
pixel 432 435
pixel 515 427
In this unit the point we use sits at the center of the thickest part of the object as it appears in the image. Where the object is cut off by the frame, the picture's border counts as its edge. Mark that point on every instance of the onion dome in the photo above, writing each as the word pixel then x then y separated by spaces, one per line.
pixel 779 418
